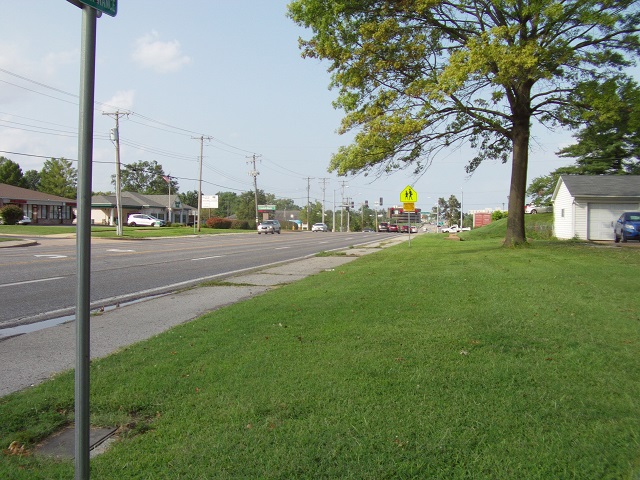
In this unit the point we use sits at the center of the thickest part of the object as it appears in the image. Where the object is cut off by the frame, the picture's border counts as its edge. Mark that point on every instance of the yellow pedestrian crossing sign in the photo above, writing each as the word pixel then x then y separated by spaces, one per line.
pixel 408 195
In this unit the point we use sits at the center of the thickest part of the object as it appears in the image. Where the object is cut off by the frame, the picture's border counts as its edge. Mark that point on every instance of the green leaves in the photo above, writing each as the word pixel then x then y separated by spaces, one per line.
pixel 59 177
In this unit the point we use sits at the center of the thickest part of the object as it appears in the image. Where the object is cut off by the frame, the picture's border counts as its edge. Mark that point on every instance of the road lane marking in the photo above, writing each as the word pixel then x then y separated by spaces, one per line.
pixel 281 248
pixel 118 250
pixel 51 256
pixel 205 258
pixel 30 281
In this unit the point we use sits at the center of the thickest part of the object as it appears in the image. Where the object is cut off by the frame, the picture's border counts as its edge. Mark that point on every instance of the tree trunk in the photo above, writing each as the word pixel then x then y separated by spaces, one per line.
pixel 520 161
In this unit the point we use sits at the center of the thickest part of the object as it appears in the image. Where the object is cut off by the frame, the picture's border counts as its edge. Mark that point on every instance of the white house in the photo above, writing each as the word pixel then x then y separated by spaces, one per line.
pixel 587 206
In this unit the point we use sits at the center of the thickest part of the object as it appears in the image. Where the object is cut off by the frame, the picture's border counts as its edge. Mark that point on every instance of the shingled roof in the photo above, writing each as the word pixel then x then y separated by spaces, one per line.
pixel 18 193
pixel 602 185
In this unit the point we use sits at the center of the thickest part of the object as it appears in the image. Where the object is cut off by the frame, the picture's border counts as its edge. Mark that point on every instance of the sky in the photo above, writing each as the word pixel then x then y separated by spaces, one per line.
pixel 228 71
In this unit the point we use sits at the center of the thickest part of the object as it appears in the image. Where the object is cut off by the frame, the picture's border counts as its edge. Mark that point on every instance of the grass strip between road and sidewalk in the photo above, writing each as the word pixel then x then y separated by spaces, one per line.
pixel 99 231
pixel 437 360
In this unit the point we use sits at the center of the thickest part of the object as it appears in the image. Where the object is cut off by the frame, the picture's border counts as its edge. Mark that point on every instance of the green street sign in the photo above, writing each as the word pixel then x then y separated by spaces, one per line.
pixel 110 7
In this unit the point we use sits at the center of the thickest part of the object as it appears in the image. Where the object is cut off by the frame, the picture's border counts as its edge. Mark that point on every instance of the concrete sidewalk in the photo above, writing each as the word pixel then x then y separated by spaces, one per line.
pixel 31 358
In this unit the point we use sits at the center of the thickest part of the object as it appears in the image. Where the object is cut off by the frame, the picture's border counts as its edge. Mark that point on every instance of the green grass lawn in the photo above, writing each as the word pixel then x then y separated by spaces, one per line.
pixel 444 360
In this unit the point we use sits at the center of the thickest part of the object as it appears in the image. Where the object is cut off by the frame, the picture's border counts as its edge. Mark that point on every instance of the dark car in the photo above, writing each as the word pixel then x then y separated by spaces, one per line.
pixel 392 228
pixel 627 227
pixel 383 227
pixel 404 229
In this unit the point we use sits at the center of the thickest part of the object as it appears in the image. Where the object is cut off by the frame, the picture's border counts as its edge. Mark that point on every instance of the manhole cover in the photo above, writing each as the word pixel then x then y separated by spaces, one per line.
pixel 61 445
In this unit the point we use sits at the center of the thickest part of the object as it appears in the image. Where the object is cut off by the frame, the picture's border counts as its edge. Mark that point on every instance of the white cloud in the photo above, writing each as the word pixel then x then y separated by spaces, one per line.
pixel 53 62
pixel 121 100
pixel 163 57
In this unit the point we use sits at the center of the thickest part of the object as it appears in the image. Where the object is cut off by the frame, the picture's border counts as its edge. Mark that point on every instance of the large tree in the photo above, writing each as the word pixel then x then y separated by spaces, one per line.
pixel 147 178
pixel 59 177
pixel 31 179
pixel 608 137
pixel 608 142
pixel 246 205
pixel 190 198
pixel 416 77
pixel 11 173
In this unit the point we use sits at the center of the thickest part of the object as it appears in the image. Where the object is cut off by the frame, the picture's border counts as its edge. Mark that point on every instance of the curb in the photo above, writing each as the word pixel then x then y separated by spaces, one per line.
pixel 18 243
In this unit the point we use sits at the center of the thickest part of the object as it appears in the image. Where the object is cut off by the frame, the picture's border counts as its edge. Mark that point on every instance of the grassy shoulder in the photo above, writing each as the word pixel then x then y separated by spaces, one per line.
pixel 438 360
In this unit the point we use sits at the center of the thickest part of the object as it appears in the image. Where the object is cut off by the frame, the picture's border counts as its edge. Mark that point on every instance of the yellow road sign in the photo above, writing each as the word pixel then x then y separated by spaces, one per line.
pixel 408 195
pixel 409 207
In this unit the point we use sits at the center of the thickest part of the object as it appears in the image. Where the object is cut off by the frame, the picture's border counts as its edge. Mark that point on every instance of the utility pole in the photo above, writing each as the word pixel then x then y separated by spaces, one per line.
pixel 202 139
pixel 324 187
pixel 115 138
pixel 254 173
pixel 342 204
pixel 308 208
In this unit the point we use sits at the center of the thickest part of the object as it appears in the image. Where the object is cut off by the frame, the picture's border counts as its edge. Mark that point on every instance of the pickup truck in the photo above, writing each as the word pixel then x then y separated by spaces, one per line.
pixel 533 209
pixel 455 229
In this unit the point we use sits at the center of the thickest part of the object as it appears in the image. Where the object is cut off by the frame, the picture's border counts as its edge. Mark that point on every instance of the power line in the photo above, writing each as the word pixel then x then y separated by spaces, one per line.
pixel 75 96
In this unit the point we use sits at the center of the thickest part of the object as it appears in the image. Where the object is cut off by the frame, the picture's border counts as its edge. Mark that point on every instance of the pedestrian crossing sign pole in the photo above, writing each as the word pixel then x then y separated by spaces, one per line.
pixel 409 197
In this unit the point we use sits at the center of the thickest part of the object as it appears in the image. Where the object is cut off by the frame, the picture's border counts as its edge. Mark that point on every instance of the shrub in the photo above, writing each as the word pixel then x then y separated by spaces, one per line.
pixel 217 222
pixel 240 225
pixel 11 214
pixel 498 214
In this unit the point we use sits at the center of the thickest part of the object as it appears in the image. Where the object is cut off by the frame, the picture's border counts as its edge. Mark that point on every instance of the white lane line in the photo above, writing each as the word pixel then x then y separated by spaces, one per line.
pixel 118 250
pixel 281 248
pixel 51 256
pixel 205 258
pixel 30 281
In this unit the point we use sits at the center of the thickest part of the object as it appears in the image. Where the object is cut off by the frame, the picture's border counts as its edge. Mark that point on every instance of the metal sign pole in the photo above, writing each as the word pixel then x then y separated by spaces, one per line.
pixel 83 242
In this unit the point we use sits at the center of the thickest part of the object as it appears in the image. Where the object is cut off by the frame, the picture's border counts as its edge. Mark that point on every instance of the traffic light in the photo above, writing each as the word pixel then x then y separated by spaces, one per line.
pixel 366 203
pixel 380 201
pixel 352 204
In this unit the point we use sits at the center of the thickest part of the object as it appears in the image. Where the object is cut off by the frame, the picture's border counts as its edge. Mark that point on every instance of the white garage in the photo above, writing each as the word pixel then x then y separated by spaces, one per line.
pixel 587 206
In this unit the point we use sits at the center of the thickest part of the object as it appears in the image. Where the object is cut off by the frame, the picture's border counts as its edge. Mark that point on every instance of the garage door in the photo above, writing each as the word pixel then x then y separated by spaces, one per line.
pixel 600 217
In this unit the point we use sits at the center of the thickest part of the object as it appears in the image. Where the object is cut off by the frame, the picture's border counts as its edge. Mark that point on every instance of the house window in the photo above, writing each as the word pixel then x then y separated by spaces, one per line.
pixel 562 213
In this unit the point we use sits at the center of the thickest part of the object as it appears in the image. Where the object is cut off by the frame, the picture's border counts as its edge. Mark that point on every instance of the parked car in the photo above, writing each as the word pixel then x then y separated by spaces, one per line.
pixel 455 229
pixel 414 229
pixel 143 220
pixel 319 227
pixel 392 228
pixel 404 228
pixel 383 227
pixel 269 226
pixel 24 221
pixel 533 209
pixel 627 227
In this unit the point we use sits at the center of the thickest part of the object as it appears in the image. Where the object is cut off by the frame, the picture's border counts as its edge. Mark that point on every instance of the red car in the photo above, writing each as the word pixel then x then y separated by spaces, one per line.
pixel 404 229
pixel 392 228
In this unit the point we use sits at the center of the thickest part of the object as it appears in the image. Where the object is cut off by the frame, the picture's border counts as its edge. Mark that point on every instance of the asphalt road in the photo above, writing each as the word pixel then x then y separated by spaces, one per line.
pixel 39 282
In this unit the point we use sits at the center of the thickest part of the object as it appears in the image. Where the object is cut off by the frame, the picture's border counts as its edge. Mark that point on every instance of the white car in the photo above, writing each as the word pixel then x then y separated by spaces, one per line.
pixel 142 220
pixel 24 221
pixel 532 209
pixel 319 227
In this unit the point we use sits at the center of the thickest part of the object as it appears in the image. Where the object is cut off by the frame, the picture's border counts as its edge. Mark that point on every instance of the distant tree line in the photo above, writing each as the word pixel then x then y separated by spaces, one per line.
pixel 57 177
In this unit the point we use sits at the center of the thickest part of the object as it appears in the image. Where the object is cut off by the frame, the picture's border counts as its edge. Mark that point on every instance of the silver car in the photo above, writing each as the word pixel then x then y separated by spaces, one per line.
pixel 140 219
pixel 319 227
pixel 269 226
